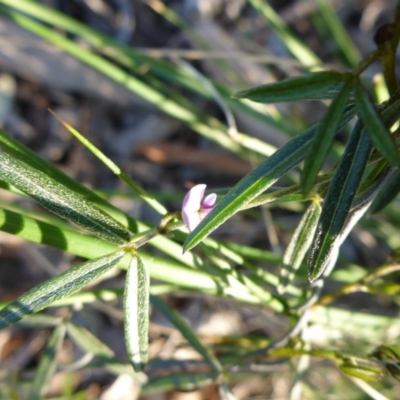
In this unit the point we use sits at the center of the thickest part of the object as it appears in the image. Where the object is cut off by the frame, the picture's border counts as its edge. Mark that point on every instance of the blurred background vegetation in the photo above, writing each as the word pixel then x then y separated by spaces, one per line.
pixel 181 127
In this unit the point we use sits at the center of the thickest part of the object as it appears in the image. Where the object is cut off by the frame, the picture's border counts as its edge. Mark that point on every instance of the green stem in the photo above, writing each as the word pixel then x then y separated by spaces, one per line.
pixel 366 62
pixel 361 285
pixel 387 40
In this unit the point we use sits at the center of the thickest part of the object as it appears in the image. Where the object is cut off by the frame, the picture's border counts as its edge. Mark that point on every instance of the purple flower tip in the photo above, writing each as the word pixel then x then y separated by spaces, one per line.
pixel 195 207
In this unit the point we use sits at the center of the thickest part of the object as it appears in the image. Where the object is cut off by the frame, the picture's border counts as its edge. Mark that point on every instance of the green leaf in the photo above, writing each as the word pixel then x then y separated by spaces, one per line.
pixel 391 112
pixel 60 200
pixel 338 200
pixel 136 313
pixel 185 273
pixel 310 86
pixel 287 195
pixel 18 150
pixel 388 193
pixel 92 345
pixel 381 137
pixel 323 139
pixel 251 186
pixel 257 182
pixel 29 225
pixel 299 245
pixel 57 287
pixel 186 331
pixel 47 365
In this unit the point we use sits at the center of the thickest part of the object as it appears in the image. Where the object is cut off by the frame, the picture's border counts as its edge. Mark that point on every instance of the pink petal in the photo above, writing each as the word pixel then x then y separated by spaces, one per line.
pixel 191 220
pixel 209 201
pixel 193 198
pixel 191 206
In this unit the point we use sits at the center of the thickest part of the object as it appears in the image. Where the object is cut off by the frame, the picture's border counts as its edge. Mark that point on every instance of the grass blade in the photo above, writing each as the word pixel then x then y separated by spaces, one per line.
pixel 381 137
pixel 323 139
pixel 134 60
pixel 299 245
pixel 57 288
pixel 338 200
pixel 338 33
pixel 92 345
pixel 183 381
pixel 298 49
pixel 60 200
pixel 114 168
pixel 305 87
pixel 186 331
pixel 136 313
pixel 161 98
pixel 47 365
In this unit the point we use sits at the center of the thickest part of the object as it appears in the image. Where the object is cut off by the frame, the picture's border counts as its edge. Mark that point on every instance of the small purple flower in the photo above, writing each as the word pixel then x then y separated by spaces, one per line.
pixel 195 208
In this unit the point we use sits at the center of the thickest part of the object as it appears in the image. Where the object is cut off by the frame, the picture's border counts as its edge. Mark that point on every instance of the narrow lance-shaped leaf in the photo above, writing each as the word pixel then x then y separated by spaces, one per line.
pixel 299 244
pixel 190 276
pixel 57 288
pixel 359 207
pixel 338 200
pixel 61 200
pixel 18 150
pixel 306 87
pixel 257 182
pixel 47 365
pixel 251 186
pixel 388 193
pixel 186 331
pixel 323 138
pixel 374 125
pixel 136 313
pixel 28 224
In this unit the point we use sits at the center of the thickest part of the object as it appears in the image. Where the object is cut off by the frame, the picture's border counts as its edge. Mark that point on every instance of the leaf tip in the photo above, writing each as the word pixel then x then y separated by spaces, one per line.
pixel 187 245
pixel 281 288
pixel 240 95
pixel 138 366
pixel 311 278
pixel 313 273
